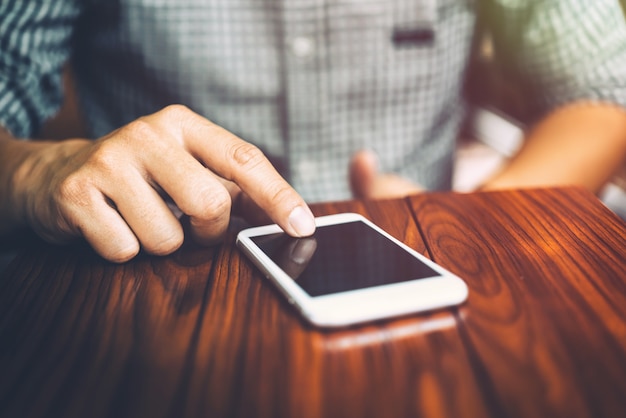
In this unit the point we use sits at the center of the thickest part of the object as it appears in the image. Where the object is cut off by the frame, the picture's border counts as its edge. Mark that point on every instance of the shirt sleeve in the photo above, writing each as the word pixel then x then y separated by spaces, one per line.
pixel 35 39
pixel 561 51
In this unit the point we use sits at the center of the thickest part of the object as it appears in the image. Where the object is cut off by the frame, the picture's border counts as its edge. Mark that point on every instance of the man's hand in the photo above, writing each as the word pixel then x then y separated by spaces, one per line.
pixel 368 183
pixel 114 191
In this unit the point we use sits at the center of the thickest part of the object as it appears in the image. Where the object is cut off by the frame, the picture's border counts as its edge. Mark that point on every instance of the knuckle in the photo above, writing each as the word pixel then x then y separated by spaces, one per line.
pixel 174 112
pixel 281 193
pixel 75 189
pixel 213 203
pixel 246 155
pixel 106 159
pixel 138 129
pixel 140 135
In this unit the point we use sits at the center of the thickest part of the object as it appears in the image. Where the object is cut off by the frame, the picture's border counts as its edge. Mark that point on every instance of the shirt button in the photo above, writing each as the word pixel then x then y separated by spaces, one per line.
pixel 302 47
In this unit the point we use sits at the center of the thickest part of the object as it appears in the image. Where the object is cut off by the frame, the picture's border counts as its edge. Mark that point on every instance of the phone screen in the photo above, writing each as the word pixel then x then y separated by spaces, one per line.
pixel 342 257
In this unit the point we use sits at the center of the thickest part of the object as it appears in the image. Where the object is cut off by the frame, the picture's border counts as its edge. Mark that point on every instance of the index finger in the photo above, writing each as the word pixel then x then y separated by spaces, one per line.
pixel 236 160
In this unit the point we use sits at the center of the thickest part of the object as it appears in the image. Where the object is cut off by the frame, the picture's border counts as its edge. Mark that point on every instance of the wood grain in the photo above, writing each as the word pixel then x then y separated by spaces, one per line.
pixel 202 333
pixel 84 337
pixel 546 315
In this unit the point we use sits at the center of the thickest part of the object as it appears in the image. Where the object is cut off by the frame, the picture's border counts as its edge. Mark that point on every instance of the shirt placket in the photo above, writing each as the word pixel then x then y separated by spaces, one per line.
pixel 305 90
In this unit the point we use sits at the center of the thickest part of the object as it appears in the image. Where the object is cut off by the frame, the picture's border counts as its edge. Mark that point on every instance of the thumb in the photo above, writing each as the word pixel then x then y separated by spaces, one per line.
pixel 363 173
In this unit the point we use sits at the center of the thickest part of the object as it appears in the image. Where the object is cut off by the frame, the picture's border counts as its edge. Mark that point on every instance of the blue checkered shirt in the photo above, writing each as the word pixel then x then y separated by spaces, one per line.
pixel 309 81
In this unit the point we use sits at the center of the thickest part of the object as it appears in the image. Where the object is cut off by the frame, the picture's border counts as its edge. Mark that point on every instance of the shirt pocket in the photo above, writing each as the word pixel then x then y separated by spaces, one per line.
pixel 414 23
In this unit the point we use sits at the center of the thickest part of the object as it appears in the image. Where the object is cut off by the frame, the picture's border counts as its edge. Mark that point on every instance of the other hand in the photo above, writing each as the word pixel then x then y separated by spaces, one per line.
pixel 367 182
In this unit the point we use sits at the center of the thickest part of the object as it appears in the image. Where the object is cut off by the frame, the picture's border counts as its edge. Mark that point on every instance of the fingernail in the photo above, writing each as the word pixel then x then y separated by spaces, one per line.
pixel 302 222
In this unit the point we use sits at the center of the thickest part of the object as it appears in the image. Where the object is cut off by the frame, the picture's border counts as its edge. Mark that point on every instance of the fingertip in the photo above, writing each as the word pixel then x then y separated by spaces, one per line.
pixel 121 254
pixel 366 158
pixel 301 222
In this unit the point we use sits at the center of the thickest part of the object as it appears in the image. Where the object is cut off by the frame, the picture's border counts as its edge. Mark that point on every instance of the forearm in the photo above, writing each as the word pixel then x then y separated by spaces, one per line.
pixel 580 144
pixel 12 154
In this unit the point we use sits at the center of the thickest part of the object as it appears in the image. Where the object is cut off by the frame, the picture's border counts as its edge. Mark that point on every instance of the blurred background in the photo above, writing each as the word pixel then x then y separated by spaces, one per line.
pixel 493 131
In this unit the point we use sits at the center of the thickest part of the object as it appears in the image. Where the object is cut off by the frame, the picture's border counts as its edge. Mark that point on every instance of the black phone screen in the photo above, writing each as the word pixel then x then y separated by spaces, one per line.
pixel 342 257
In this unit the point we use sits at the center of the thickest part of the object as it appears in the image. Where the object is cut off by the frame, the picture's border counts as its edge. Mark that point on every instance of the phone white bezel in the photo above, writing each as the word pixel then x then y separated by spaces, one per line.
pixel 360 305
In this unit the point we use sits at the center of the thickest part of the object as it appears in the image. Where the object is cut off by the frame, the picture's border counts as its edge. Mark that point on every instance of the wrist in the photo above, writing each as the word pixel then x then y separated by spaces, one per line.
pixel 12 154
pixel 34 168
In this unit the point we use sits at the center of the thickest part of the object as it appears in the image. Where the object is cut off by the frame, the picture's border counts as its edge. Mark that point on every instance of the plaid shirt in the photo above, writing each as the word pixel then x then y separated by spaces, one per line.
pixel 309 81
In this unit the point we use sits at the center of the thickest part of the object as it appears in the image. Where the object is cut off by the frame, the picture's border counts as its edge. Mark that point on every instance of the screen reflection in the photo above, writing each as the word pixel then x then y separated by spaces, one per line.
pixel 343 257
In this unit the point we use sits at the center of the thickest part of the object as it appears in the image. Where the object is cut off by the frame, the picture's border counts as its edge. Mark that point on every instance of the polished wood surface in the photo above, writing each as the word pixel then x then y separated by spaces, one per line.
pixel 201 333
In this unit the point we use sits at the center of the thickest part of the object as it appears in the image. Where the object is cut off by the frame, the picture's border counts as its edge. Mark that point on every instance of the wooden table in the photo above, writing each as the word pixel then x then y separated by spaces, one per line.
pixel 201 333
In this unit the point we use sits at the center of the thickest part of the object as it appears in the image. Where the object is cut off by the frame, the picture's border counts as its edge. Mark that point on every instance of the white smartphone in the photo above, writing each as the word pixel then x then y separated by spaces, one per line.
pixel 350 271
